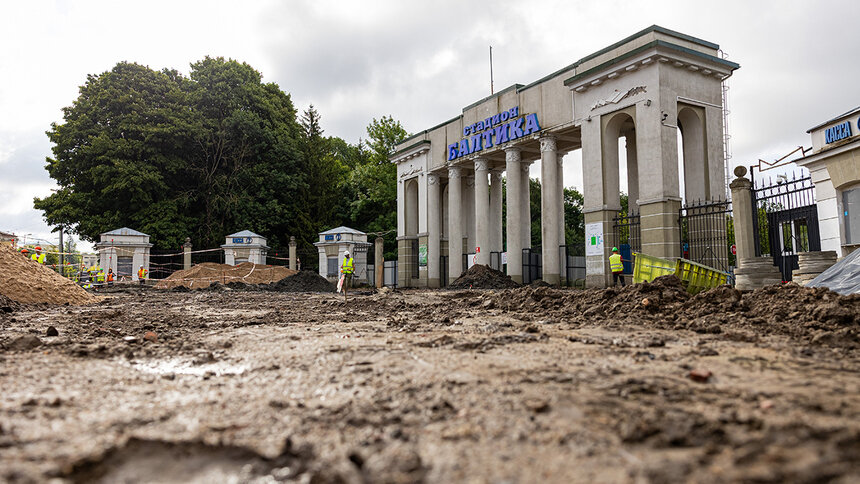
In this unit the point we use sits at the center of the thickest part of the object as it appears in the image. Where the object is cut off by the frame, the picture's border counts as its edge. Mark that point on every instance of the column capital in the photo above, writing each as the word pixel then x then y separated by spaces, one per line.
pixel 455 172
pixel 547 143
pixel 496 176
pixel 432 178
pixel 481 164
pixel 513 153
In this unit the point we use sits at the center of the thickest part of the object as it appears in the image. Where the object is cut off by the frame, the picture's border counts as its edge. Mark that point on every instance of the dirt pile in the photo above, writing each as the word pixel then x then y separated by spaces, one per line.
pixel 27 282
pixel 304 281
pixel 480 276
pixel 815 315
pixel 202 275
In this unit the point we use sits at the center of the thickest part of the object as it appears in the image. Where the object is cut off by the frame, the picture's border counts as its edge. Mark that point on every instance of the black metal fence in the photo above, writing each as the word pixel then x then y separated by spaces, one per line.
pixel 573 264
pixel 627 230
pixel 786 220
pixel 532 265
pixel 443 270
pixel 707 233
pixel 496 260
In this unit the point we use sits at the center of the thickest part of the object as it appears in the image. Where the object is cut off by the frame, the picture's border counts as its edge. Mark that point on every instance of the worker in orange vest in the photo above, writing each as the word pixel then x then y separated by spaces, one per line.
pixel 141 275
pixel 110 277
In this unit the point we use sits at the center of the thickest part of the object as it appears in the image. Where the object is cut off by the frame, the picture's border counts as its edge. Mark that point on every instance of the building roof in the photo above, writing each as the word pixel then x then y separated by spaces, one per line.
pixel 849 113
pixel 125 231
pixel 342 230
pixel 245 233
pixel 7 234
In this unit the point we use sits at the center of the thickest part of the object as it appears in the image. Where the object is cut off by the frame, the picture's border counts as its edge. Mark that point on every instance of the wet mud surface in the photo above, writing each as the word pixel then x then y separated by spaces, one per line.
pixel 532 384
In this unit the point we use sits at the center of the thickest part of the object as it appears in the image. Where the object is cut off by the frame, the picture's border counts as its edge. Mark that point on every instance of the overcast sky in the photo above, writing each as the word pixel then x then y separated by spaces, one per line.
pixel 420 62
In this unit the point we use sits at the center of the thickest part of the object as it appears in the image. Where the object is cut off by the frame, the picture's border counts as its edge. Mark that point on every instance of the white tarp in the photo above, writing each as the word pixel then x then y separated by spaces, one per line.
pixel 842 277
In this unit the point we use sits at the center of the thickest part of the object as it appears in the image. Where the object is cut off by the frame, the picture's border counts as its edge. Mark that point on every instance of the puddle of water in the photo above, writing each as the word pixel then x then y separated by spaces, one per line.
pixel 178 366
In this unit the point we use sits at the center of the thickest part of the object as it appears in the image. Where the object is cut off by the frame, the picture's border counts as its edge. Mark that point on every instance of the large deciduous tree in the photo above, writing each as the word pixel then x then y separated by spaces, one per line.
pixel 175 156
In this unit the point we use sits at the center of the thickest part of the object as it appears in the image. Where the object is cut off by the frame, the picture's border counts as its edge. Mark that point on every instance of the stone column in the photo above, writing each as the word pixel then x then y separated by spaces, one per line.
pixel 752 272
pixel 455 225
pixel 526 205
pixel 434 232
pixel 514 201
pixel 379 272
pixel 560 211
pixel 482 212
pixel 549 209
pixel 496 211
pixel 742 215
pixel 186 254
pixel 293 264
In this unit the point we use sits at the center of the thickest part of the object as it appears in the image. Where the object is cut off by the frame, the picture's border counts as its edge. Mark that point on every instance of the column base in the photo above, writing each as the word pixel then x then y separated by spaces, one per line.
pixel 755 273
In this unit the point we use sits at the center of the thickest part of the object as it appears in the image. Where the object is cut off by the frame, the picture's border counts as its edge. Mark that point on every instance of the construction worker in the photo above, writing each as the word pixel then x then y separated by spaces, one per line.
pixel 347 268
pixel 38 256
pixel 100 277
pixel 141 275
pixel 110 277
pixel 25 252
pixel 616 266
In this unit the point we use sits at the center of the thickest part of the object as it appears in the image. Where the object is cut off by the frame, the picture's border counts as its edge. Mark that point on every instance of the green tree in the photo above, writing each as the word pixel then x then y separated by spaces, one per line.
pixel 118 157
pixel 574 221
pixel 372 185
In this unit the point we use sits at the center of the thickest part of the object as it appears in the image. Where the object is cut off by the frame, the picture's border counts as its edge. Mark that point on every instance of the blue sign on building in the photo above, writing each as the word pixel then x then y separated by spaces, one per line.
pixel 838 132
pixel 494 130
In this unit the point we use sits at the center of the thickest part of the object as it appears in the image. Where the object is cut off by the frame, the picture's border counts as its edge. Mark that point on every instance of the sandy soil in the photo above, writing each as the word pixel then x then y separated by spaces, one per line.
pixel 517 386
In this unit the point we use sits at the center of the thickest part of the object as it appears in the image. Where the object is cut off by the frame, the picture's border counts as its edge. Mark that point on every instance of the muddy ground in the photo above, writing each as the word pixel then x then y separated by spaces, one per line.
pixel 524 385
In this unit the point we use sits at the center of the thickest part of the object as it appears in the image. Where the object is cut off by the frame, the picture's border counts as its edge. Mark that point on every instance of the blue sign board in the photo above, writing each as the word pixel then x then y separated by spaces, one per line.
pixel 242 240
pixel 838 132
pixel 329 237
pixel 498 129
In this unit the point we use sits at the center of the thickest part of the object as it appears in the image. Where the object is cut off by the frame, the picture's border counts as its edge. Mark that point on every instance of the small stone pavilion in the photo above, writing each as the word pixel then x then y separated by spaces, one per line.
pixel 124 250
pixel 245 246
pixel 332 246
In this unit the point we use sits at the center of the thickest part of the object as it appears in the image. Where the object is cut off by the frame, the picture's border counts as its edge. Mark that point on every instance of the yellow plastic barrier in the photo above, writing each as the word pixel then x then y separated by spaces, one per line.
pixel 647 268
pixel 697 277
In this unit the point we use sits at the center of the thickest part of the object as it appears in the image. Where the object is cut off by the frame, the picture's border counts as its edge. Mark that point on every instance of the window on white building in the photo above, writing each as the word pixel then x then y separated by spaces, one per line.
pixel 851 215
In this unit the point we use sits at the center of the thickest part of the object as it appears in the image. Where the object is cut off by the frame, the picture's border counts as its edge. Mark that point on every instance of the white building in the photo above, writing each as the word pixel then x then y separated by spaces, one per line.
pixel 334 243
pixel 834 166
pixel 124 250
pixel 645 89
pixel 245 246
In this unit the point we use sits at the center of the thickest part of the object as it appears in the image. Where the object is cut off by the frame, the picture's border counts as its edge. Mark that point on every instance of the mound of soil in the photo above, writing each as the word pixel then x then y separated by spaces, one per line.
pixel 202 275
pixel 27 282
pixel 480 276
pixel 304 281
pixel 813 315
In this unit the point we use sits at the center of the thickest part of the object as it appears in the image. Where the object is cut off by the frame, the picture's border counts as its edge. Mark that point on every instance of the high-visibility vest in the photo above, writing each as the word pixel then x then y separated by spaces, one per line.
pixel 34 257
pixel 101 276
pixel 348 266
pixel 615 264
pixel 41 259
pixel 110 276
pixel 141 273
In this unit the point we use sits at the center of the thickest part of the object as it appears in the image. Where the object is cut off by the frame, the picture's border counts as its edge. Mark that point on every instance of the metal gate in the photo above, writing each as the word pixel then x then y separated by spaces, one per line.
pixel 786 221
pixel 626 230
pixel 532 265
pixel 443 271
pixel 706 237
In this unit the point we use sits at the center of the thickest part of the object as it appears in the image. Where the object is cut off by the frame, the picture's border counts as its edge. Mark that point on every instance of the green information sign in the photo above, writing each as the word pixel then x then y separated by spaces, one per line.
pixel 422 256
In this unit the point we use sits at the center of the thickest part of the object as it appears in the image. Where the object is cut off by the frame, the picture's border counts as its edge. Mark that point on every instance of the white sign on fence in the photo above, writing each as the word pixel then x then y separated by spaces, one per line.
pixel 594 239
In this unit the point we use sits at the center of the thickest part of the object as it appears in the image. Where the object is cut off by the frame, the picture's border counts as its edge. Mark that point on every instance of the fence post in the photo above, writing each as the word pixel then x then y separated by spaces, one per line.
pixel 293 265
pixel 752 272
pixel 186 248
pixel 379 272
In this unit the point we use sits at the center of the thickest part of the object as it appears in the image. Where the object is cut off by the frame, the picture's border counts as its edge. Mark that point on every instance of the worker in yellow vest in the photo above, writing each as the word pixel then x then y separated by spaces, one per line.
pixel 100 277
pixel 141 275
pixel 347 269
pixel 38 256
pixel 616 266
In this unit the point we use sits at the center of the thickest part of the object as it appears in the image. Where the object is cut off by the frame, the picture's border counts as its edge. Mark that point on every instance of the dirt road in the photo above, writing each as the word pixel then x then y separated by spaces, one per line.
pixel 525 385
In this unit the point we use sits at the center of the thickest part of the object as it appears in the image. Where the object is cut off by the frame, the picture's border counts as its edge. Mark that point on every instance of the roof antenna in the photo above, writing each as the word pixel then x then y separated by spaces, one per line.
pixel 491 70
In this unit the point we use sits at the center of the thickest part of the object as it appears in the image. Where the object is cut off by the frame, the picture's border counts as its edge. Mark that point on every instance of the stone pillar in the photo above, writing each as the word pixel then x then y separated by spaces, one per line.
pixel 496 211
pixel 379 245
pixel 482 212
pixel 515 201
pixel 752 272
pixel 293 264
pixel 742 215
pixel 632 174
pixel 562 273
pixel 526 205
pixel 186 256
pixel 434 232
pixel 549 209
pixel 661 236
pixel 455 225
